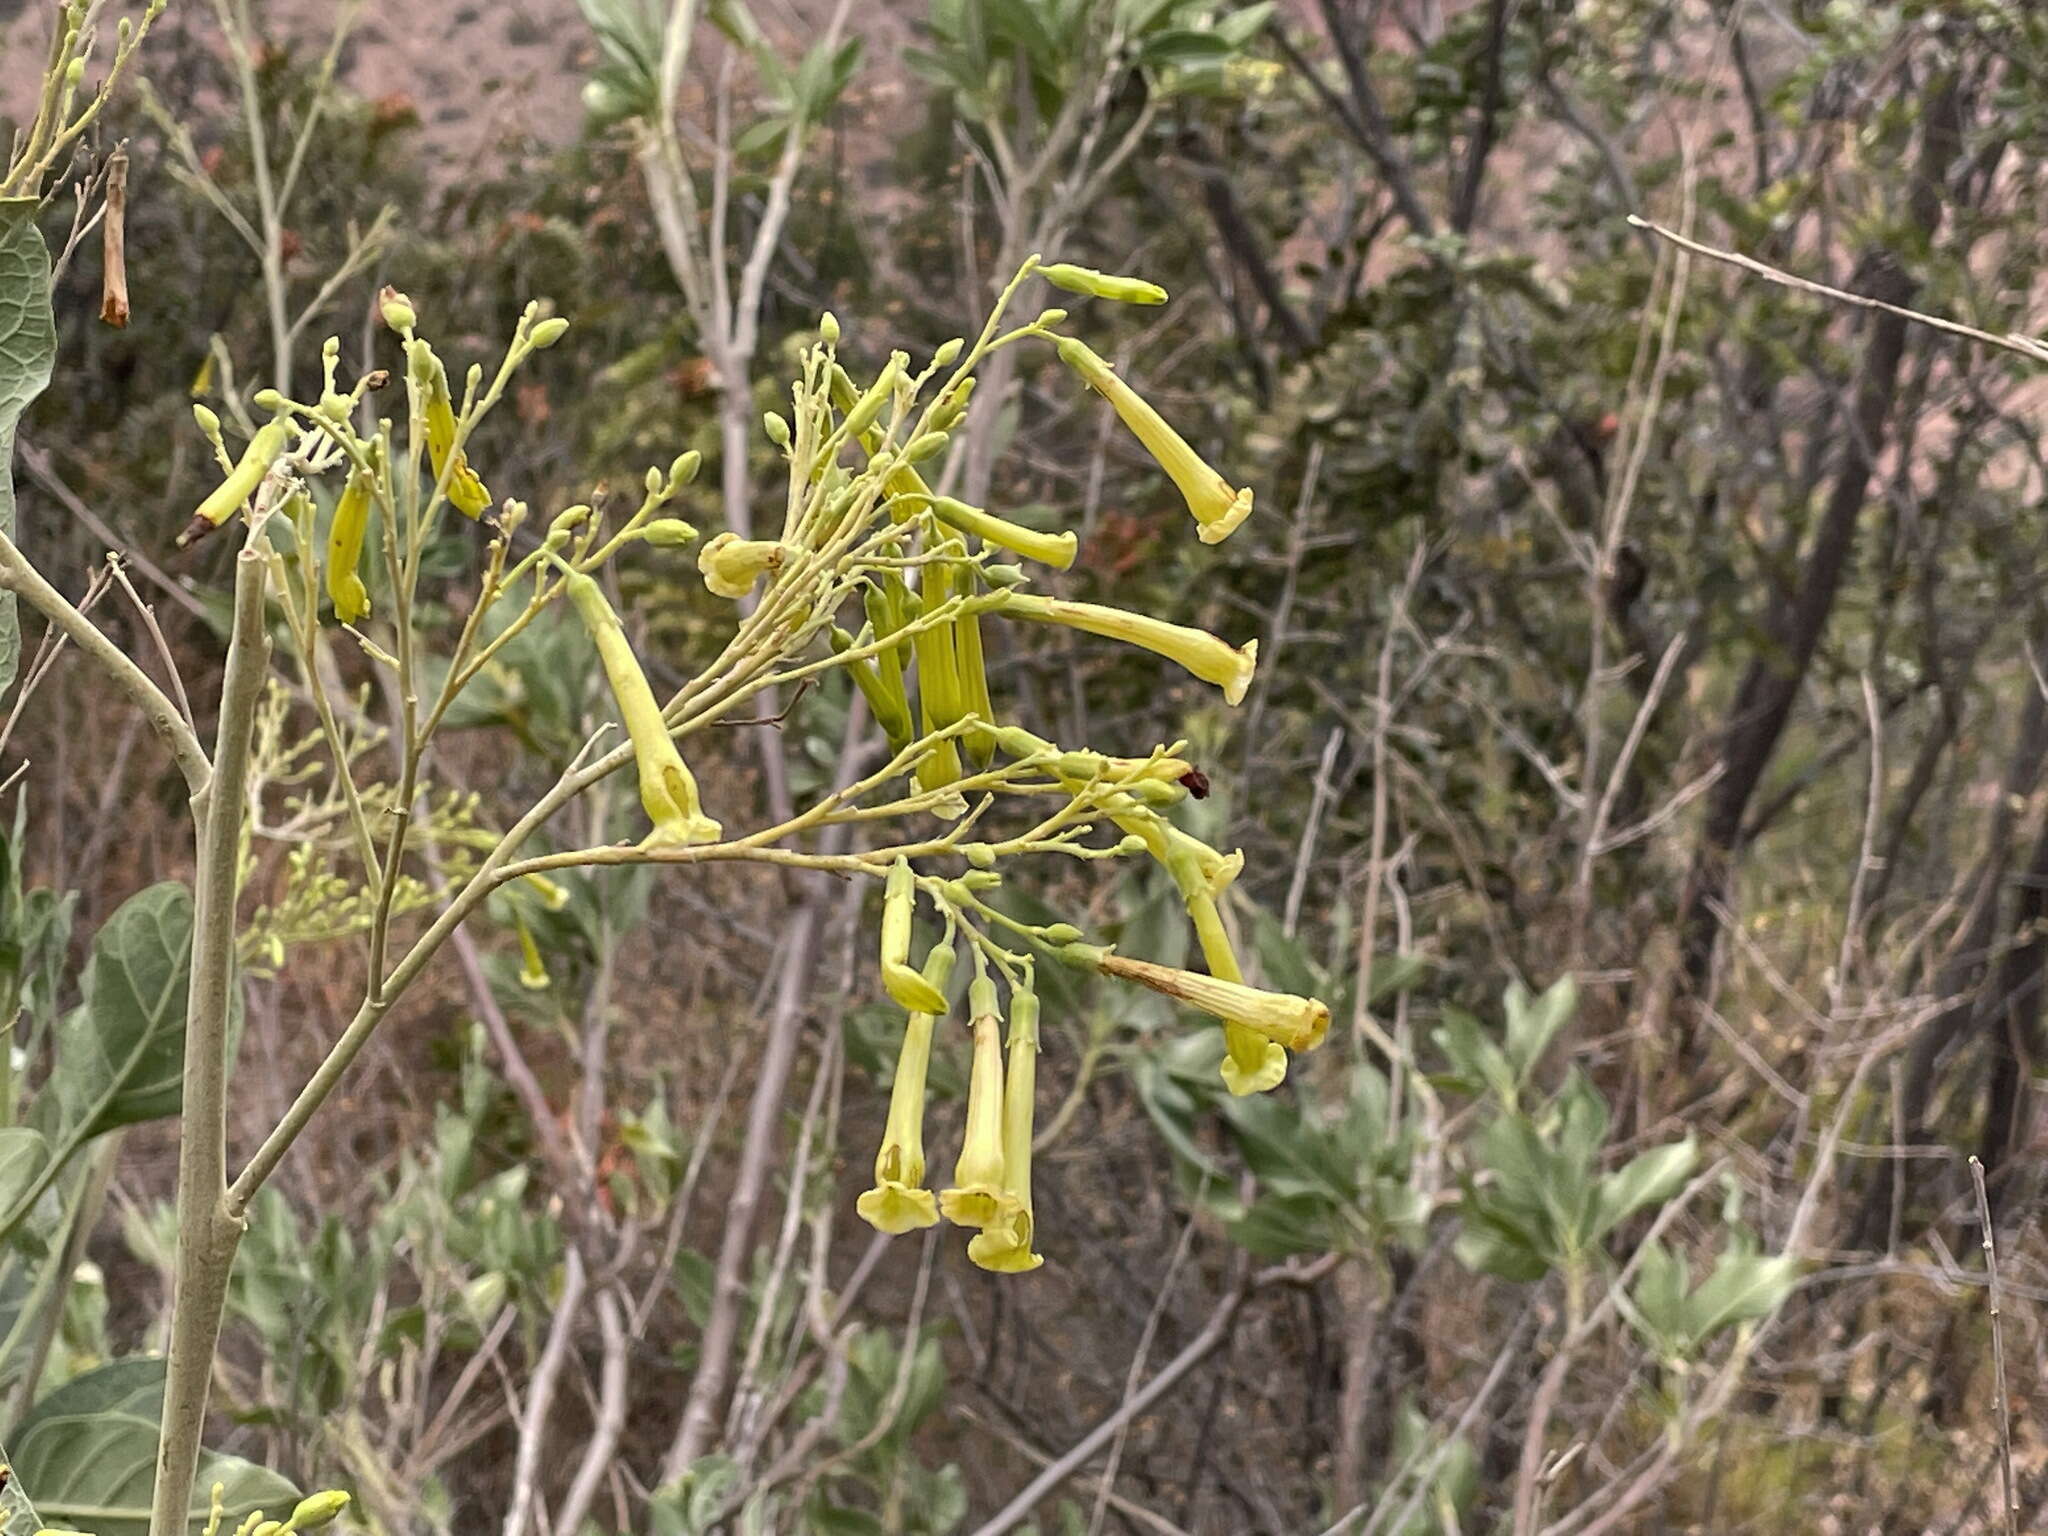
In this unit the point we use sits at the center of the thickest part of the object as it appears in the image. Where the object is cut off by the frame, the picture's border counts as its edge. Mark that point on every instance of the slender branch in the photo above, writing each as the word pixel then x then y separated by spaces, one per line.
pixel 25 581
pixel 540 1397
pixel 208 1231
pixel 2009 341
pixel 2008 1501
pixel 1198 1349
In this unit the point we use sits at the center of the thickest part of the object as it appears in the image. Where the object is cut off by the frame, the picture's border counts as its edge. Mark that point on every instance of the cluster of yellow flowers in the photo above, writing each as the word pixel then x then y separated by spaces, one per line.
pixel 862 530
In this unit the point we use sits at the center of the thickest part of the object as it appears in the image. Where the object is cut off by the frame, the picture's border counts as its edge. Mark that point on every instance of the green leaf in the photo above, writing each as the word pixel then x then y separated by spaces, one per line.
pixel 86 1455
pixel 1240 27
pixel 28 351
pixel 1277 1227
pixel 1534 1021
pixel 1393 973
pixel 1183 48
pixel 23 1154
pixel 121 1053
pixel 1742 1288
pixel 1491 1248
pixel 1661 1279
pixel 838 1520
pixel 1477 1061
pixel 1650 1179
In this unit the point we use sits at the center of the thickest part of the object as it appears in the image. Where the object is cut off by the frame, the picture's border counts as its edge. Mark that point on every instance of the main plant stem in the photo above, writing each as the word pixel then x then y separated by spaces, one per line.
pixel 209 1225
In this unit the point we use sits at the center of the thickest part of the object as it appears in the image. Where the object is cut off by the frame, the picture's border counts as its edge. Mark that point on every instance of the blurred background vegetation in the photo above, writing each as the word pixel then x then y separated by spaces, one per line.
pixel 1645 763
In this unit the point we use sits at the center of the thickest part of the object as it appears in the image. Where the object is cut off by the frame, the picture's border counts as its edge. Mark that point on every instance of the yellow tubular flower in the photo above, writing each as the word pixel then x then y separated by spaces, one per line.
pixel 885 606
pixel 667 789
pixel 345 550
pixel 977 1196
pixel 973 676
pixel 1004 1245
pixel 1217 505
pixel 553 894
pixel 1054 549
pixel 938 684
pixel 466 492
pixel 888 704
pixel 1201 653
pixel 1299 1023
pixel 1251 1062
pixel 899 906
pixel 899 1201
pixel 731 564
pixel 233 493
pixel 533 971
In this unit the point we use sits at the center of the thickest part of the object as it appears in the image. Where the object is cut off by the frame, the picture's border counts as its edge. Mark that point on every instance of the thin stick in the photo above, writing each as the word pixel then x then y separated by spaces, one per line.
pixel 2011 341
pixel 2008 1500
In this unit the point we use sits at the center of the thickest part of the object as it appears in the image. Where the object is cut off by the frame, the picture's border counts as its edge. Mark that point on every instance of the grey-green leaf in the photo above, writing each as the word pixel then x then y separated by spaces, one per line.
pixel 1742 1288
pixel 122 1052
pixel 28 350
pixel 87 1456
pixel 1650 1179
pixel 23 1153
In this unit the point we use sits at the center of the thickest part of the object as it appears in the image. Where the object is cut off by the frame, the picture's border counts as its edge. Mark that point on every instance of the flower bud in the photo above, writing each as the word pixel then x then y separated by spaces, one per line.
pixel 1004 576
pixel 980 855
pixel 1101 285
pixel 952 405
pixel 209 423
pixel 777 429
pixel 828 328
pixel 653 480
pixel 865 411
pixel 948 353
pixel 668 533
pixel 317 1509
pixel 267 400
pixel 569 519
pixel 1047 318
pixel 1062 933
pixel 396 310
pixel 549 331
pixel 685 468
pixel 1018 742
pixel 923 447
